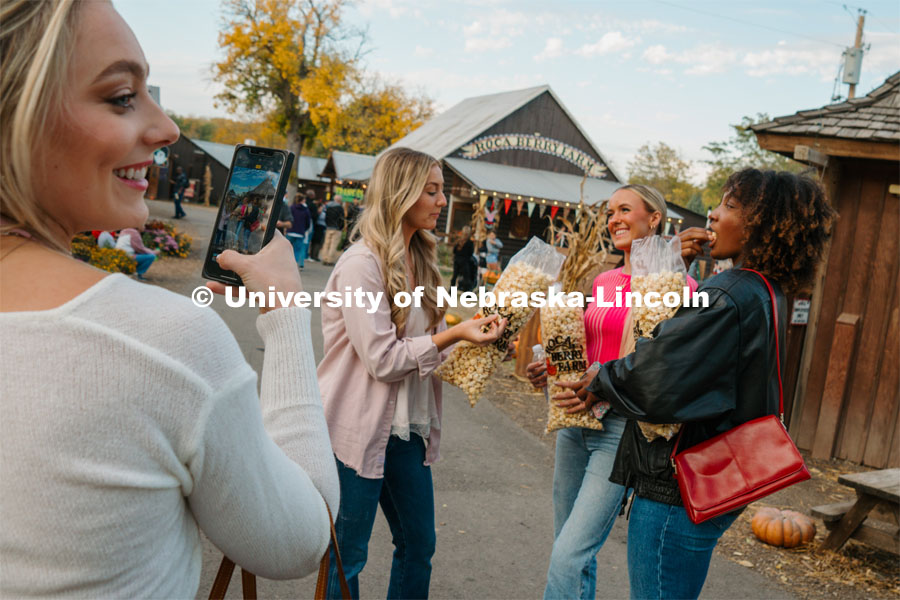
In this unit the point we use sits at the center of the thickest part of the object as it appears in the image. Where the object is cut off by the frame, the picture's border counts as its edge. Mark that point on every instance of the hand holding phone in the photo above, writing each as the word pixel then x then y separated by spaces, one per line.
pixel 249 208
pixel 273 266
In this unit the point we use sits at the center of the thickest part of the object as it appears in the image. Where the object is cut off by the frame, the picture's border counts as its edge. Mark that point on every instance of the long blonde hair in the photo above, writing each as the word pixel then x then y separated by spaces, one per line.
pixel 397 181
pixel 36 41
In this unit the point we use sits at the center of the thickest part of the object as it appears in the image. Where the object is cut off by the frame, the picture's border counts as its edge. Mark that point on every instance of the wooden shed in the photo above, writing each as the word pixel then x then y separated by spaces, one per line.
pixel 847 359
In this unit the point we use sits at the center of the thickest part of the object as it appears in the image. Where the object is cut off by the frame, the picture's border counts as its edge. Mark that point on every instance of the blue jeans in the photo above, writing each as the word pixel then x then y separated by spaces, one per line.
pixel 585 506
pixel 406 496
pixel 668 556
pixel 143 262
pixel 299 244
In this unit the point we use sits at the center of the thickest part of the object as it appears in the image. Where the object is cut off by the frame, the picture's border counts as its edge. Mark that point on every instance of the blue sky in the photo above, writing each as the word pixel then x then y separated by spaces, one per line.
pixel 631 72
pixel 244 179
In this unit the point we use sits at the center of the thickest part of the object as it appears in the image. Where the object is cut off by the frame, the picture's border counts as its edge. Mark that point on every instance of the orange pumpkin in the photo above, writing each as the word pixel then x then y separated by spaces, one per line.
pixel 786 528
pixel 451 319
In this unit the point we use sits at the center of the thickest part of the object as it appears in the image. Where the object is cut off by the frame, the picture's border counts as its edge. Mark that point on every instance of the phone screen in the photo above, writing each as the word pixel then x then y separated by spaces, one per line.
pixel 256 180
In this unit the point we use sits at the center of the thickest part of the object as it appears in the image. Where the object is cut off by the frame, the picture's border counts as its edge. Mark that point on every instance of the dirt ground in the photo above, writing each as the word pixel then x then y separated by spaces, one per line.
pixel 856 571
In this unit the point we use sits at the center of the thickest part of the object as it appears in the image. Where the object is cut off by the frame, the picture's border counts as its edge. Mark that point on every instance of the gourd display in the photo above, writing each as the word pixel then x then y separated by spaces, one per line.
pixel 784 528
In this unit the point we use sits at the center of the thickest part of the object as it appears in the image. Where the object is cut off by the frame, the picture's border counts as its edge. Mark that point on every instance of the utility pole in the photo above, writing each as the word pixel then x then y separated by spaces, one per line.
pixel 851 93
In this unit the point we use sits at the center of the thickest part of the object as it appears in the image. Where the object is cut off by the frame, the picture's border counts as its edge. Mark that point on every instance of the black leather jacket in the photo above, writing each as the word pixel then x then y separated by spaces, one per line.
pixel 710 368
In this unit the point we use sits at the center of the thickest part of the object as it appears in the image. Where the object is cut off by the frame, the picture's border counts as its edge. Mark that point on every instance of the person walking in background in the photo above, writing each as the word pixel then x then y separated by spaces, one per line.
pixel 585 502
pixel 710 367
pixel 179 183
pixel 463 251
pixel 130 242
pixel 354 210
pixel 147 431
pixel 334 229
pixel 492 246
pixel 382 399
pixel 298 234
pixel 317 212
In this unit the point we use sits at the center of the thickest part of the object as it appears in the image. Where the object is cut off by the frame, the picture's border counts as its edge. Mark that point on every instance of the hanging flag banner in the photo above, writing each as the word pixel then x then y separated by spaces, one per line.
pixel 519 204
pixel 507 202
pixel 553 211
pixel 543 210
pixel 530 208
pixel 566 212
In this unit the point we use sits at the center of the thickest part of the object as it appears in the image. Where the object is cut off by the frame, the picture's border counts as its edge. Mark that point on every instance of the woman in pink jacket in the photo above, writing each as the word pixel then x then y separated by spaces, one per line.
pixel 382 400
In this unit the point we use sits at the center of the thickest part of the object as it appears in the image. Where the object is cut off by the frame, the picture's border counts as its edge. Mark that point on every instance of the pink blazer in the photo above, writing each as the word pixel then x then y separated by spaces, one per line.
pixel 364 364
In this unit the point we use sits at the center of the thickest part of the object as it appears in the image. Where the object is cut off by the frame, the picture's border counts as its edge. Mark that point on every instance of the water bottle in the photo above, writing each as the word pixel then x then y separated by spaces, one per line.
pixel 539 355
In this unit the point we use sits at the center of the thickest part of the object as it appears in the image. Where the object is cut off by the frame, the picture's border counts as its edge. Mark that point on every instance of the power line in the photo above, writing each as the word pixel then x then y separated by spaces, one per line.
pixel 727 18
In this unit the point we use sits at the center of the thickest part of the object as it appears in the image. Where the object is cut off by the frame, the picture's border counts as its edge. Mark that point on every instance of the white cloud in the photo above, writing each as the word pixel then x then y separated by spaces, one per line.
pixel 700 60
pixel 494 30
pixel 657 54
pixel 487 43
pixel 552 49
pixel 792 61
pixel 612 41
pixel 423 52
pixel 395 8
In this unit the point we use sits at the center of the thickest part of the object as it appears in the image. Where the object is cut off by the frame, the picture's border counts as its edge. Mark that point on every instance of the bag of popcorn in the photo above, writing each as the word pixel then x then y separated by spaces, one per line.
pixel 562 332
pixel 531 269
pixel 656 266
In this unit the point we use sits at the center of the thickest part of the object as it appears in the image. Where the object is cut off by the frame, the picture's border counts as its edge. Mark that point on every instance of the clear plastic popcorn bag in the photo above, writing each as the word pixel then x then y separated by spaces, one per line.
pixel 565 344
pixel 656 266
pixel 531 269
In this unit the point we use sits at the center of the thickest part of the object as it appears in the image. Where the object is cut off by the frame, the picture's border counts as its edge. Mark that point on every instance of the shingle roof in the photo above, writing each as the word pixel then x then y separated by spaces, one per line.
pixel 874 117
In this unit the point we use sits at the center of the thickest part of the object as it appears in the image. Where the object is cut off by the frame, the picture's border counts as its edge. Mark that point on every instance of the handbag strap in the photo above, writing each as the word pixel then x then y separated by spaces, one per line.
pixel 248 579
pixel 777 357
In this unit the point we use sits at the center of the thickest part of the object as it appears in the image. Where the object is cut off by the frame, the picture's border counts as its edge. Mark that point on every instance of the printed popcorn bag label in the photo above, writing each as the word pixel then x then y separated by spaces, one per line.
pixel 531 269
pixel 563 336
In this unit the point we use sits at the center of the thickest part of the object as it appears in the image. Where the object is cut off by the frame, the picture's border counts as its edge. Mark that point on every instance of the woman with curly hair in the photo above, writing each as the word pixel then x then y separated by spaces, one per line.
pixel 382 399
pixel 711 368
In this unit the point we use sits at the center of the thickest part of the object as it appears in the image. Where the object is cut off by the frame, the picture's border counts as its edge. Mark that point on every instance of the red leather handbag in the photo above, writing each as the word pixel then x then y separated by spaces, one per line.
pixel 744 464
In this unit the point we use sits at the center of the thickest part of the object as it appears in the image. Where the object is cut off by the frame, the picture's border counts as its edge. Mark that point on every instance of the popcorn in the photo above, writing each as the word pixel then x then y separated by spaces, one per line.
pixel 562 329
pixel 469 366
pixel 656 266
pixel 646 318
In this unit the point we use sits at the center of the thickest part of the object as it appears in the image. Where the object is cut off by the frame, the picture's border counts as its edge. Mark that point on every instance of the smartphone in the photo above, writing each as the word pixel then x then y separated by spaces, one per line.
pixel 250 206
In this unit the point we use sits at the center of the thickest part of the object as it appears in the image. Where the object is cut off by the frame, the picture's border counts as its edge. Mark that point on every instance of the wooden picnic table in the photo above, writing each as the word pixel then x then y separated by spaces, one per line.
pixel 877 493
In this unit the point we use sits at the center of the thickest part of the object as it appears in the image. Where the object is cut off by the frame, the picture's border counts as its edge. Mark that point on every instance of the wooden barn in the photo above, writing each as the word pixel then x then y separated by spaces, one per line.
pixel 195 155
pixel 844 362
pixel 522 154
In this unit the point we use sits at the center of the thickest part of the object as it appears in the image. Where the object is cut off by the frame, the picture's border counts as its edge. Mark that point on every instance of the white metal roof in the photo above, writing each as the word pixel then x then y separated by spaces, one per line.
pixel 351 166
pixel 461 123
pixel 221 153
pixel 308 167
pixel 531 184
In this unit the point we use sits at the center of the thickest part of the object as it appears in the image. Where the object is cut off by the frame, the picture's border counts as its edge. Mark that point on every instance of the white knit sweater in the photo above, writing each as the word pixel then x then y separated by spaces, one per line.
pixel 129 420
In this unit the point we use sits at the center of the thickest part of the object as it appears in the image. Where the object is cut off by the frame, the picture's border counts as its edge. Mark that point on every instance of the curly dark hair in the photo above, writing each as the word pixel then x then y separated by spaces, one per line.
pixel 787 221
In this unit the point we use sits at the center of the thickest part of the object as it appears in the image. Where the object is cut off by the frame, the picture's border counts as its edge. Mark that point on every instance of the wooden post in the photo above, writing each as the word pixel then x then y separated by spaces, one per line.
pixel 529 335
pixel 843 347
pixel 859 31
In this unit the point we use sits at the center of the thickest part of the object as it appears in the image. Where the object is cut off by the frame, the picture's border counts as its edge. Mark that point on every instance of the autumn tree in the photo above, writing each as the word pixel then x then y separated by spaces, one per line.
pixel 740 151
pixel 289 61
pixel 227 131
pixel 374 116
pixel 663 168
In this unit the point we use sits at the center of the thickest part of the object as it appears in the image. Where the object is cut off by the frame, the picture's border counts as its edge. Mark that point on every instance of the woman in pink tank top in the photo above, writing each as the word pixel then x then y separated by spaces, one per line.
pixel 585 502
